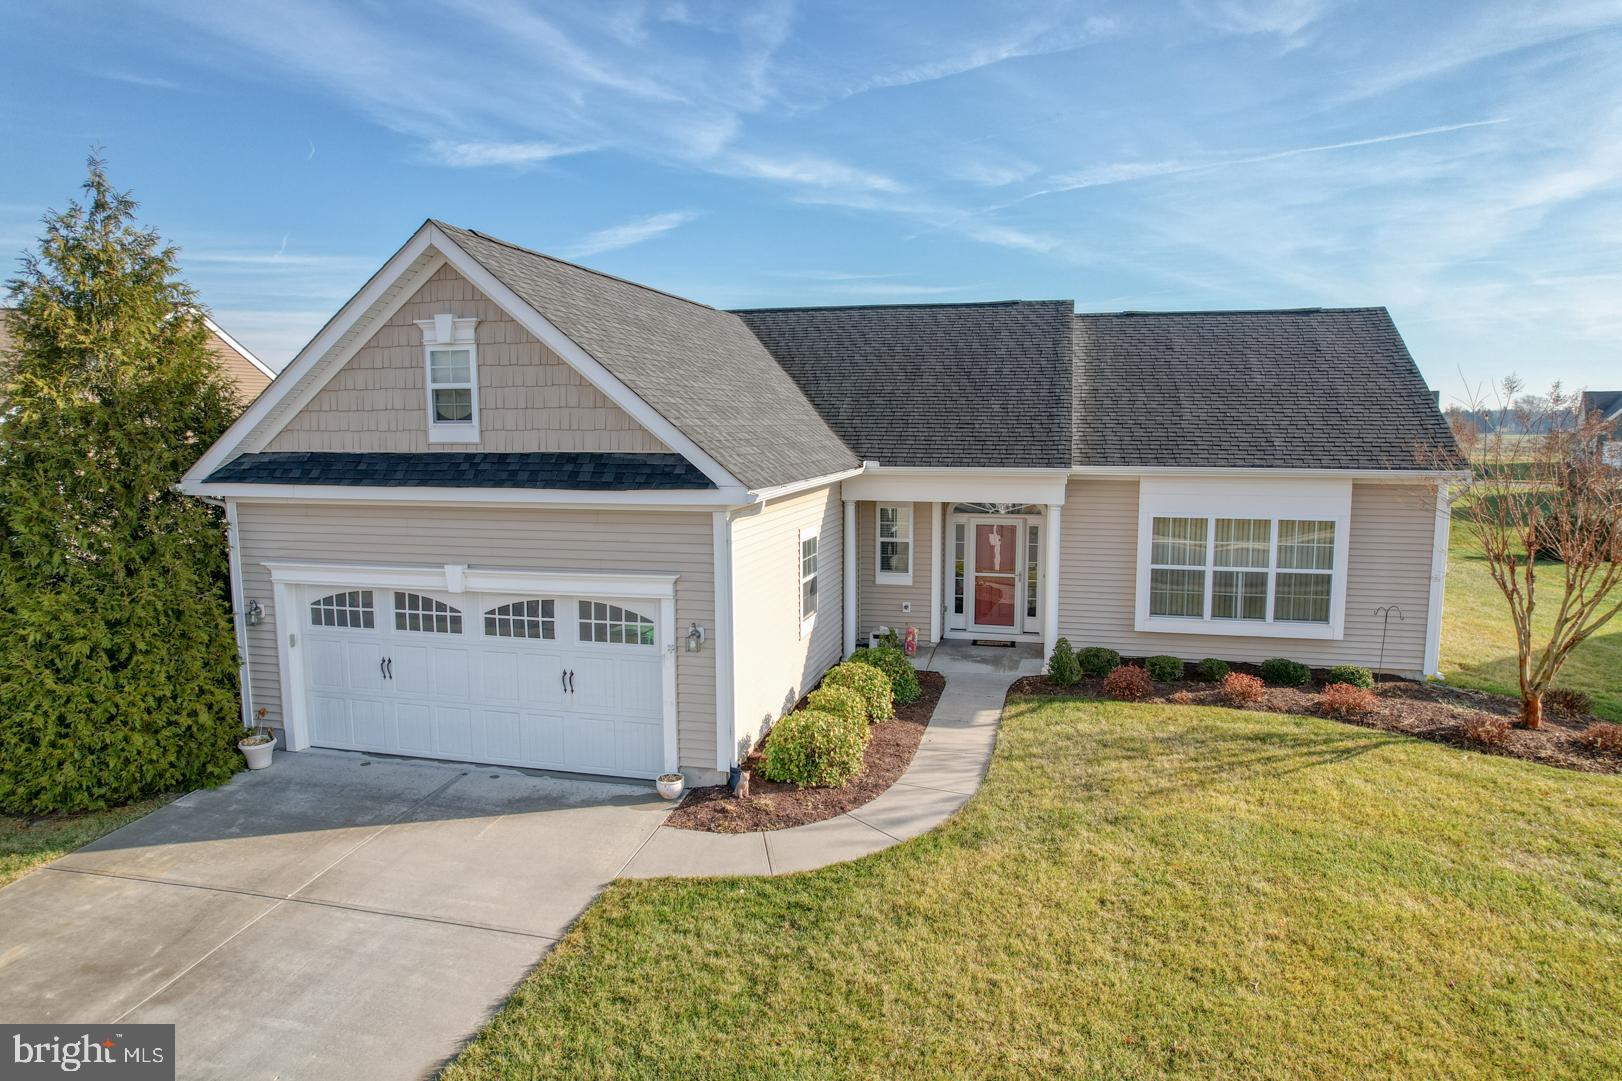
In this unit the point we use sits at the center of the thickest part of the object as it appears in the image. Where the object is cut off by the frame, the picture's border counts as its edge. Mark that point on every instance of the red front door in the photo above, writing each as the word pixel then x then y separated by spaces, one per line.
pixel 996 575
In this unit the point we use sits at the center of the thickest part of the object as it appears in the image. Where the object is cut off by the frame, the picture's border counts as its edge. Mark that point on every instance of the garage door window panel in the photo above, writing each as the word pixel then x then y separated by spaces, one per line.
pixel 415 612
pixel 349 609
pixel 535 617
pixel 613 624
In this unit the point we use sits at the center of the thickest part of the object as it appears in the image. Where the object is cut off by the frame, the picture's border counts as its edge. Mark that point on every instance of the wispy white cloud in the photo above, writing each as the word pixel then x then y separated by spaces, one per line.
pixel 897 289
pixel 631 232
pixel 137 78
pixel 473 155
pixel 1284 18
pixel 812 171
pixel 1042 38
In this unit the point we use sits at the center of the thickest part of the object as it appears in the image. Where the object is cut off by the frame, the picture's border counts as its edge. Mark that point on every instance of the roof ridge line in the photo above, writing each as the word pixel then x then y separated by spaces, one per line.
pixel 898 304
pixel 578 266
pixel 1311 310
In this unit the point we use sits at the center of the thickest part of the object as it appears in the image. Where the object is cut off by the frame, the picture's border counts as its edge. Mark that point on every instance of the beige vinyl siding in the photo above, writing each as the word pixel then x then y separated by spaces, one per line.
pixel 774 664
pixel 248 379
pixel 529 398
pixel 583 540
pixel 879 605
pixel 1390 563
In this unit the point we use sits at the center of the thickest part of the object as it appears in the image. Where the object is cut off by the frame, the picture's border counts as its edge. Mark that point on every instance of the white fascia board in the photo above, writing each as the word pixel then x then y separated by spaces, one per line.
pixel 1392 476
pixel 655 499
pixel 311 355
pixel 958 485
pixel 583 362
pixel 454 578
pixel 238 348
pixel 762 495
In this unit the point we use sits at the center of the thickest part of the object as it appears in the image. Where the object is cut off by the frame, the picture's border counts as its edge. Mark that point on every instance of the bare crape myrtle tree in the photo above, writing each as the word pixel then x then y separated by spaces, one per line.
pixel 1547 510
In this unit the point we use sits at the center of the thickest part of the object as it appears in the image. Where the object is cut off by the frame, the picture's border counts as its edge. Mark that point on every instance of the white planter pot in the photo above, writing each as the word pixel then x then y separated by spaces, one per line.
pixel 257 754
pixel 670 785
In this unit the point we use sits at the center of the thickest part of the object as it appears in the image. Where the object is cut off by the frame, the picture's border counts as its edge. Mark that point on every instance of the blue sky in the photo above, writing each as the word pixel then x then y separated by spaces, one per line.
pixel 1459 163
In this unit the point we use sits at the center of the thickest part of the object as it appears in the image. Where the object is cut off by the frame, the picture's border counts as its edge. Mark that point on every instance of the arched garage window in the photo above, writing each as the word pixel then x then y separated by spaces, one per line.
pixel 533 618
pixel 414 612
pixel 600 622
pixel 351 609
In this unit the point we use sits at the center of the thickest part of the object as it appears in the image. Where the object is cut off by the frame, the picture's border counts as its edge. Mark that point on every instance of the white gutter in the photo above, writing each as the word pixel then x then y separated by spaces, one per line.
pixel 1257 472
pixel 762 495
pixel 688 499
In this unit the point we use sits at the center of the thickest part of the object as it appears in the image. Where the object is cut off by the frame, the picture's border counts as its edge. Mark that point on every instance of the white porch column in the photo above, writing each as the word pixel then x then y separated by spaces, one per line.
pixel 848 561
pixel 937 570
pixel 1050 579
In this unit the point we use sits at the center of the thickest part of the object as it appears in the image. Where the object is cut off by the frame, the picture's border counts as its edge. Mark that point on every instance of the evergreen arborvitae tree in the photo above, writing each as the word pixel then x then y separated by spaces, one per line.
pixel 117 657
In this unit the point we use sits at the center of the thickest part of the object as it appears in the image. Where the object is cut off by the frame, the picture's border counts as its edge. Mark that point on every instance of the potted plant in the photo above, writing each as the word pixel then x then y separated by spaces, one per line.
pixel 670 785
pixel 258 745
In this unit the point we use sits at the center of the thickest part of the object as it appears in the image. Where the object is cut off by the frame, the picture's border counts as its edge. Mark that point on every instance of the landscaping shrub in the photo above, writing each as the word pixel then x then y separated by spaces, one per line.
pixel 867 681
pixel 1486 729
pixel 1097 661
pixel 1345 700
pixel 1565 700
pixel 1129 683
pixel 1063 668
pixel 1239 689
pixel 893 662
pixel 1212 670
pixel 810 747
pixel 1282 672
pixel 1164 669
pixel 840 701
pixel 1182 698
pixel 1602 736
pixel 1355 674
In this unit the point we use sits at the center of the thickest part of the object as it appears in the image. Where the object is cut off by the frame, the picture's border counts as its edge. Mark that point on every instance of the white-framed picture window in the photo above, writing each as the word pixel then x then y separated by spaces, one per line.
pixel 1235 558
pixel 808 580
pixel 893 564
pixel 451 378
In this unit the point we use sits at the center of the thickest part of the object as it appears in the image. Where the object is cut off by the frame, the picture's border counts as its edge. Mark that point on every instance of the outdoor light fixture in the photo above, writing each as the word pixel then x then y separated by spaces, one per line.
pixel 695 638
pixel 254 614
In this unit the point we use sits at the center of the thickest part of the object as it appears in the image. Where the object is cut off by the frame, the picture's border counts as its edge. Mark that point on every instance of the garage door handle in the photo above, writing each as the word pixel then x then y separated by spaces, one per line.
pixel 382 668
pixel 571 681
pixel 390 662
pixel 563 679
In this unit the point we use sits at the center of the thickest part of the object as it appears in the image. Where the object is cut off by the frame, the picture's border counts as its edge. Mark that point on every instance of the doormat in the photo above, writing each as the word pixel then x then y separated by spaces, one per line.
pixel 984 642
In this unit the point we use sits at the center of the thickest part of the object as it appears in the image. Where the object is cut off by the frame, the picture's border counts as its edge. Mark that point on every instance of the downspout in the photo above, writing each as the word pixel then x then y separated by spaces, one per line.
pixel 238 618
pixel 848 564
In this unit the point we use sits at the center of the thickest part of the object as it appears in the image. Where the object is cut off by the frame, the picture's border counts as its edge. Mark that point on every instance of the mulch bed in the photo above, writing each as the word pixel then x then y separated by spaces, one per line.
pixel 1430 711
pixel 773 806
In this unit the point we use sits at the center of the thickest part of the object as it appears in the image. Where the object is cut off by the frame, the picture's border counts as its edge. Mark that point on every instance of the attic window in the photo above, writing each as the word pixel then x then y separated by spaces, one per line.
pixel 451 377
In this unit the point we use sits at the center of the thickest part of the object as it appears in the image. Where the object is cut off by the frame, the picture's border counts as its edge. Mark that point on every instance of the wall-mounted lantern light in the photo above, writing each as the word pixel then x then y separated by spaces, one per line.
pixel 695 638
pixel 254 614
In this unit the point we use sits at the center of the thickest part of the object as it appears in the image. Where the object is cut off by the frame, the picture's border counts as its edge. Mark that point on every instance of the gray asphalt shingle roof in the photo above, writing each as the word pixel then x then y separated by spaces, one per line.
pixel 1331 388
pixel 467 469
pixel 699 367
pixel 973 385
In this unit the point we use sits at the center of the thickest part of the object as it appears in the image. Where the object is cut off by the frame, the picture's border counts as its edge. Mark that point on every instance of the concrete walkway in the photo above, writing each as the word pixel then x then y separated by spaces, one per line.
pixel 947 770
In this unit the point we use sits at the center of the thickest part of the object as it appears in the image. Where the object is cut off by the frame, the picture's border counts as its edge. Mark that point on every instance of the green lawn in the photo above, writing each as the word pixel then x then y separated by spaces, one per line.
pixel 1137 891
pixel 26 843
pixel 1478 640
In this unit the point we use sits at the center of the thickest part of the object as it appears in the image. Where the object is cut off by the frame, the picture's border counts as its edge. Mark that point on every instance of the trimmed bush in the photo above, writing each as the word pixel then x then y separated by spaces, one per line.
pixel 1212 670
pixel 1063 668
pixel 1098 661
pixel 1129 683
pixel 811 747
pixel 1345 700
pixel 1283 672
pixel 1355 674
pixel 893 662
pixel 840 701
pixel 1602 736
pixel 1239 689
pixel 1569 702
pixel 1164 669
pixel 1485 729
pixel 867 681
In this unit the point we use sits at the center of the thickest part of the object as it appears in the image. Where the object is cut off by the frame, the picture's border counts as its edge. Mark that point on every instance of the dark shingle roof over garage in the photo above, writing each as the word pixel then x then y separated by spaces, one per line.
pixel 970 385
pixel 1313 389
pixel 700 368
pixel 451 469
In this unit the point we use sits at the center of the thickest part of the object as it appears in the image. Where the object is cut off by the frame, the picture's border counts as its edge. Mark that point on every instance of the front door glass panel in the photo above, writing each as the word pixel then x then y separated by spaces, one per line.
pixel 996 570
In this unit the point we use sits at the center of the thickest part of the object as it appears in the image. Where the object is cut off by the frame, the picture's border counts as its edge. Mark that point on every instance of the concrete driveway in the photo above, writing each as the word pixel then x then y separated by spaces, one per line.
pixel 337 915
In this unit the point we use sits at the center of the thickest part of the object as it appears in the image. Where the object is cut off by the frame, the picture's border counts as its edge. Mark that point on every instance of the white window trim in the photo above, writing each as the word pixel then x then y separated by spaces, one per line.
pixel 894 578
pixel 448 331
pixel 1213 498
pixel 807 622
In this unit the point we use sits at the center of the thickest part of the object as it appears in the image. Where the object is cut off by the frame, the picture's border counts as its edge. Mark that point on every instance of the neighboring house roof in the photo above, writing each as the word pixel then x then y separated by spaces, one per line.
pixel 246 371
pixel 1318 388
pixel 971 385
pixel 700 368
pixel 450 469
pixel 1608 403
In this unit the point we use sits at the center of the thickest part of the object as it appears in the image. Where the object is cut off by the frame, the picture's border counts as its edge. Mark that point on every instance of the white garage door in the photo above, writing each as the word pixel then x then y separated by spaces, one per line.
pixel 551 682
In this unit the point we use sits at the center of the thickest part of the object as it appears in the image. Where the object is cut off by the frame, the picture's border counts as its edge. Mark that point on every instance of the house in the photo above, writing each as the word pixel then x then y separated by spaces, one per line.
pixel 249 374
pixel 1608 404
pixel 507 509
